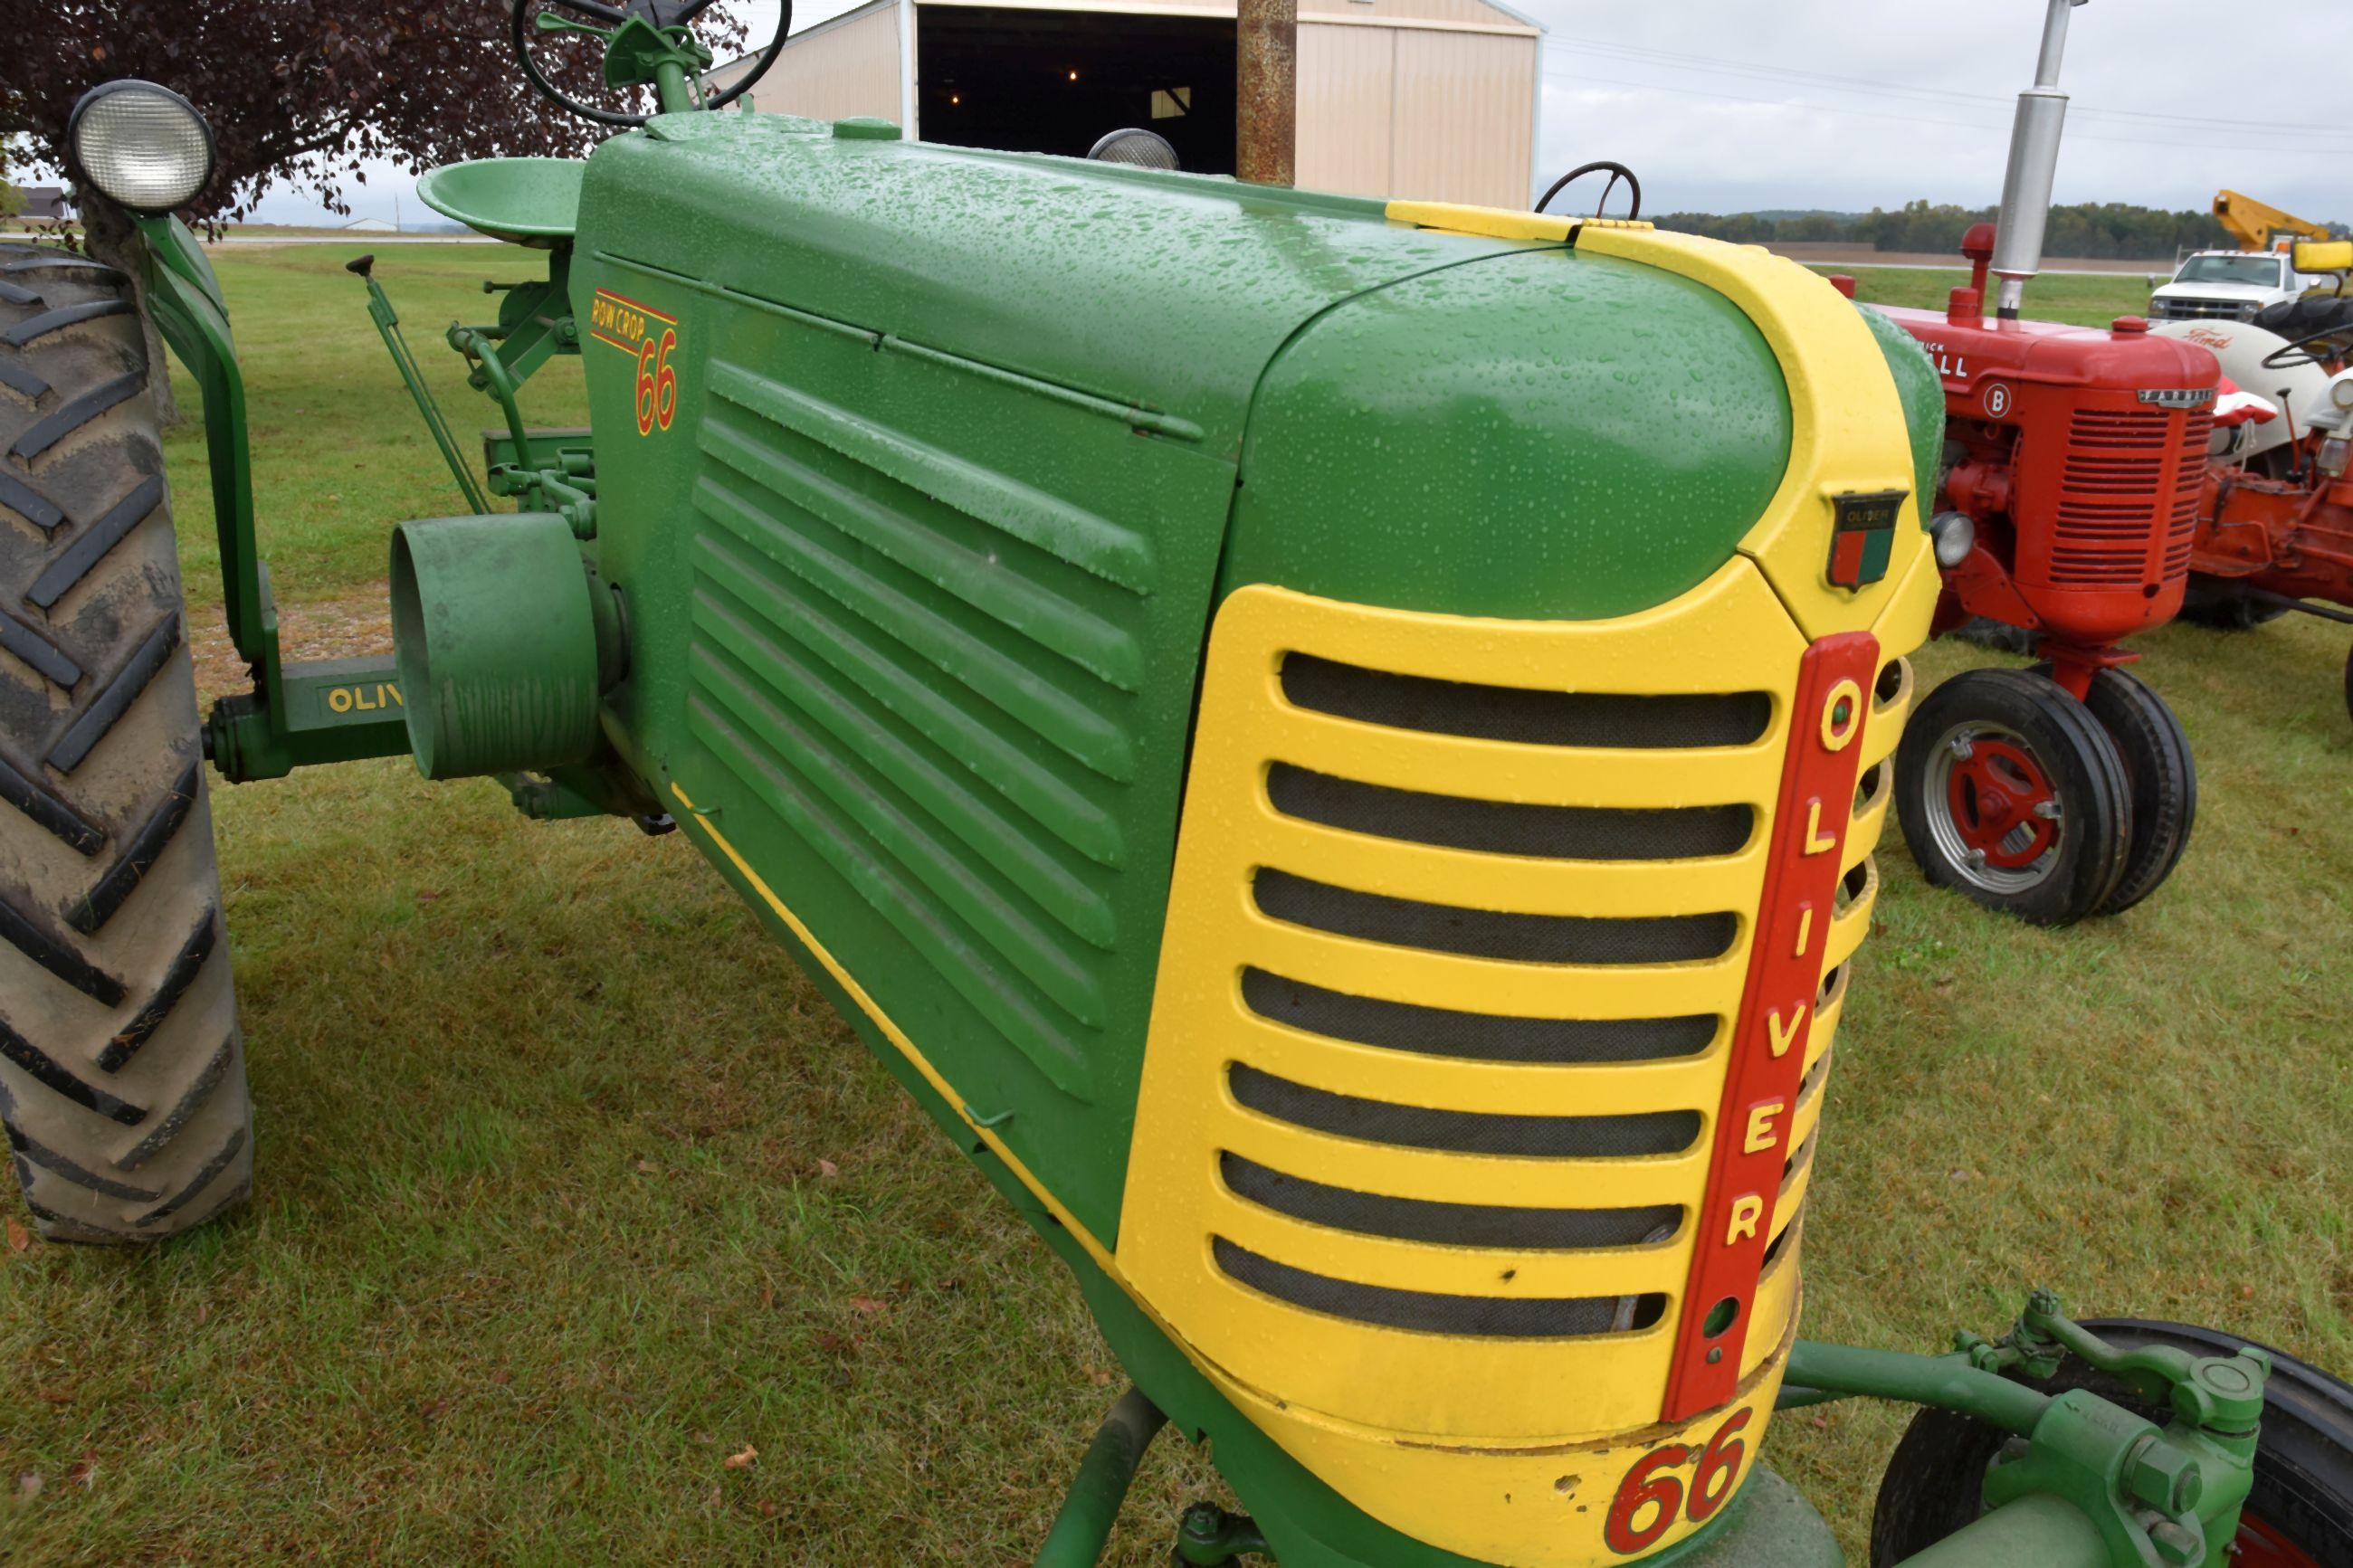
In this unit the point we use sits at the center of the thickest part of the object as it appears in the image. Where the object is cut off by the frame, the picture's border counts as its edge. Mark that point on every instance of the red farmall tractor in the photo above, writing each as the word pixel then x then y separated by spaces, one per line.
pixel 2274 515
pixel 2072 464
pixel 2067 502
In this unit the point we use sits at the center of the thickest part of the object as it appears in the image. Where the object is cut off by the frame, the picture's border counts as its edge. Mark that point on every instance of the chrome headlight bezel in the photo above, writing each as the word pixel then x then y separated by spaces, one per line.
pixel 173 176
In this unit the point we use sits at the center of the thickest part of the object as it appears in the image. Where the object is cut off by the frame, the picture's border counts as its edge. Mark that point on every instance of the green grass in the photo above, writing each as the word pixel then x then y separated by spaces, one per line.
pixel 570 1187
pixel 2083 299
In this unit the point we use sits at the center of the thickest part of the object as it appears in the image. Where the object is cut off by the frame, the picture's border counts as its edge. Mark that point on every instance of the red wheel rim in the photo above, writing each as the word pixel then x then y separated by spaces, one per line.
pixel 2261 1546
pixel 1993 793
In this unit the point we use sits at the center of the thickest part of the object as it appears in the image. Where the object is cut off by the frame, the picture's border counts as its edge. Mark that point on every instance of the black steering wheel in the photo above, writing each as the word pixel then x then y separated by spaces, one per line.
pixel 2322 349
pixel 662 15
pixel 1616 171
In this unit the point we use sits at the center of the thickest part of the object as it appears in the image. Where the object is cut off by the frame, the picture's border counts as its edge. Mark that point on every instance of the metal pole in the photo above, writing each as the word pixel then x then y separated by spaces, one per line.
pixel 1947 1383
pixel 1083 1527
pixel 1266 132
pixel 2026 185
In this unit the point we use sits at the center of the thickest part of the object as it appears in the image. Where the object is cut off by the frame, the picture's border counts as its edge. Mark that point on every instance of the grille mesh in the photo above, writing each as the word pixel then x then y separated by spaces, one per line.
pixel 1475 1037
pixel 1487 933
pixel 1463 1131
pixel 2131 483
pixel 1448 1224
pixel 1446 997
pixel 1516 714
pixel 1506 828
pixel 1482 1317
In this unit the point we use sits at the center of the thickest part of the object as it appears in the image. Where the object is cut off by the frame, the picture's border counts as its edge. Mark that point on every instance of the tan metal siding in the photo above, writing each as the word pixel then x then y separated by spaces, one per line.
pixel 1459 130
pixel 1472 12
pixel 852 69
pixel 1346 84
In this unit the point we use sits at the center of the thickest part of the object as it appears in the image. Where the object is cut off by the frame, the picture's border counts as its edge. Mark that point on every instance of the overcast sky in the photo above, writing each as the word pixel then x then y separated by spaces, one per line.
pixel 1735 105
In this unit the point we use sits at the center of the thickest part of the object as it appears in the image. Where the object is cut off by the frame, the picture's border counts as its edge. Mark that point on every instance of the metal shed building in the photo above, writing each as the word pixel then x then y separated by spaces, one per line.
pixel 1425 100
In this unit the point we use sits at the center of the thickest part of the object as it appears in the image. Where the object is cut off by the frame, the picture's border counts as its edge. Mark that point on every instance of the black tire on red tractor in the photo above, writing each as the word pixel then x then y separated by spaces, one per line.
pixel 121 1074
pixel 2223 606
pixel 2011 792
pixel 2160 775
pixel 2300 1514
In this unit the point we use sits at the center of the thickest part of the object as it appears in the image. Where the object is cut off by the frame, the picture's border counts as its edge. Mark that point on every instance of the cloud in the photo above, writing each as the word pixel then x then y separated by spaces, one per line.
pixel 1731 105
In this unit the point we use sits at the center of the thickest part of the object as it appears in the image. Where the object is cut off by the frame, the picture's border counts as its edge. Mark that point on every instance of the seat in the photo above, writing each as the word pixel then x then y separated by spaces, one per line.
pixel 525 201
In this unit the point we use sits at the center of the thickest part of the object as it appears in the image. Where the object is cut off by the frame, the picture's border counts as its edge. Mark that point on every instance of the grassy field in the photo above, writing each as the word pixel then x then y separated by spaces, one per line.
pixel 573 1194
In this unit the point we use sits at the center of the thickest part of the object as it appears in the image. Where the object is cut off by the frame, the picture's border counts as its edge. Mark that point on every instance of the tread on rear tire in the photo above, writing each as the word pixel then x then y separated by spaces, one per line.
pixel 122 1073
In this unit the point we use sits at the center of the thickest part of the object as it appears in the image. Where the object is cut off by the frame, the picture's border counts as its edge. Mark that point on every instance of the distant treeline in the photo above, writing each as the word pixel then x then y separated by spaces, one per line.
pixel 2097 231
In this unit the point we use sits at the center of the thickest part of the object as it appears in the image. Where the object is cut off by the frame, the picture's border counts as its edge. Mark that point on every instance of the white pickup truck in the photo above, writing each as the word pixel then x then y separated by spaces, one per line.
pixel 2228 285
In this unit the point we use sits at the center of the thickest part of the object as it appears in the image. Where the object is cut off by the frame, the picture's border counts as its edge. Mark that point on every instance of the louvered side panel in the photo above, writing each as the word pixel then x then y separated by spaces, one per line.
pixel 928 669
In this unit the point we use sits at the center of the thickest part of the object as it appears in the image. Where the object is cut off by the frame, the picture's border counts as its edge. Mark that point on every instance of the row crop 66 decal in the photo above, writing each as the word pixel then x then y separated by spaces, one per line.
pixel 649 337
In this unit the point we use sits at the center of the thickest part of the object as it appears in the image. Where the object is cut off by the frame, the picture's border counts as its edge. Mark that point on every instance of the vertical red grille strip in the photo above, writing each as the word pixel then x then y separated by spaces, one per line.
pixel 1777 1018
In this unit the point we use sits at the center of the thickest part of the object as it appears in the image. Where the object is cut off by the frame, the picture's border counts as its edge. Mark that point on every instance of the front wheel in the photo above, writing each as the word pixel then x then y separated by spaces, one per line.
pixel 2299 1515
pixel 2159 776
pixel 121 1077
pixel 2011 792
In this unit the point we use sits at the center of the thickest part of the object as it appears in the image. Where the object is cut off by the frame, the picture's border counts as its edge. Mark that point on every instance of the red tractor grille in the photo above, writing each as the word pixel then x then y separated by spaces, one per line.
pixel 2127 500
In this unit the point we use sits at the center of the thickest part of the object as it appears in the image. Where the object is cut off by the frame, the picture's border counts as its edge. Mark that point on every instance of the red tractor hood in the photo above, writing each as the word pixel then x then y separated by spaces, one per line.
pixel 1976 356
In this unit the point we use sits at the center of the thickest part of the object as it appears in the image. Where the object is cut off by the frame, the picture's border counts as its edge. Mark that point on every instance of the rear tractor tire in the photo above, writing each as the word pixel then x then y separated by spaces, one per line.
pixel 122 1073
pixel 2011 792
pixel 2219 605
pixel 2300 1514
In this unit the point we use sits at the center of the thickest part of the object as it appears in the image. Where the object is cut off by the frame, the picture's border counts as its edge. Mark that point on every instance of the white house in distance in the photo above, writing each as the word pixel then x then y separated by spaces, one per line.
pixel 1425 100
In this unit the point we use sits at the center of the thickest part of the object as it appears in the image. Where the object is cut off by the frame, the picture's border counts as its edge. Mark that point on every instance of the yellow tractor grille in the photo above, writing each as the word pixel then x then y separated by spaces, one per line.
pixel 1460 927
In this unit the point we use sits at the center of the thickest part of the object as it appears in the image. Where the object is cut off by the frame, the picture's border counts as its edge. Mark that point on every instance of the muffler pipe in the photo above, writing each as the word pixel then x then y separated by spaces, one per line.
pixel 2026 185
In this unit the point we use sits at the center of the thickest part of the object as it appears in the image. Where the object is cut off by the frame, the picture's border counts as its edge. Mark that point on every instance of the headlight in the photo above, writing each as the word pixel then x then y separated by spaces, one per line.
pixel 1955 534
pixel 1144 149
pixel 142 146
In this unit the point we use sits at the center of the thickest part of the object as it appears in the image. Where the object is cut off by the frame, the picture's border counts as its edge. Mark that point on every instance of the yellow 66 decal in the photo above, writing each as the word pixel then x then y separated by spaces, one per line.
pixel 650 337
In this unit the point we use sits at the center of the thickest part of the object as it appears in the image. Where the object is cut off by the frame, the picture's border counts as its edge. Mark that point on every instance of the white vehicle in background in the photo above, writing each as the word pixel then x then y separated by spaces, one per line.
pixel 2229 286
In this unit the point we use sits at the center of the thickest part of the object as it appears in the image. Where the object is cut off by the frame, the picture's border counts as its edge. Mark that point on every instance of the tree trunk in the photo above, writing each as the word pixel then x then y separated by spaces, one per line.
pixel 112 238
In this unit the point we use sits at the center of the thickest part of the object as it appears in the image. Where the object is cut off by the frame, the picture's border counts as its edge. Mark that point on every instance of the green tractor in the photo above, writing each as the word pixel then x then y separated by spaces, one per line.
pixel 1333 748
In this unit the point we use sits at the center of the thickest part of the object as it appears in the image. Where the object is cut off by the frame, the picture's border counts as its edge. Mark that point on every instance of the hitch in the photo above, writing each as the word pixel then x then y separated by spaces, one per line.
pixel 2082 1481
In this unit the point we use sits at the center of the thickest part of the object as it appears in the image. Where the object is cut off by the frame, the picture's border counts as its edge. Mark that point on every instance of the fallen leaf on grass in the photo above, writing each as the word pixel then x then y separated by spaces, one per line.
pixel 28 1483
pixel 85 1474
pixel 741 1462
pixel 828 1169
pixel 867 1304
pixel 645 1167
pixel 19 1238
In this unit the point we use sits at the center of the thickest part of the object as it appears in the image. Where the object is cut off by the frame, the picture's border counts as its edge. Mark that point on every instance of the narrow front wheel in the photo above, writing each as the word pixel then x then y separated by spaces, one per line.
pixel 2011 792
pixel 2159 776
